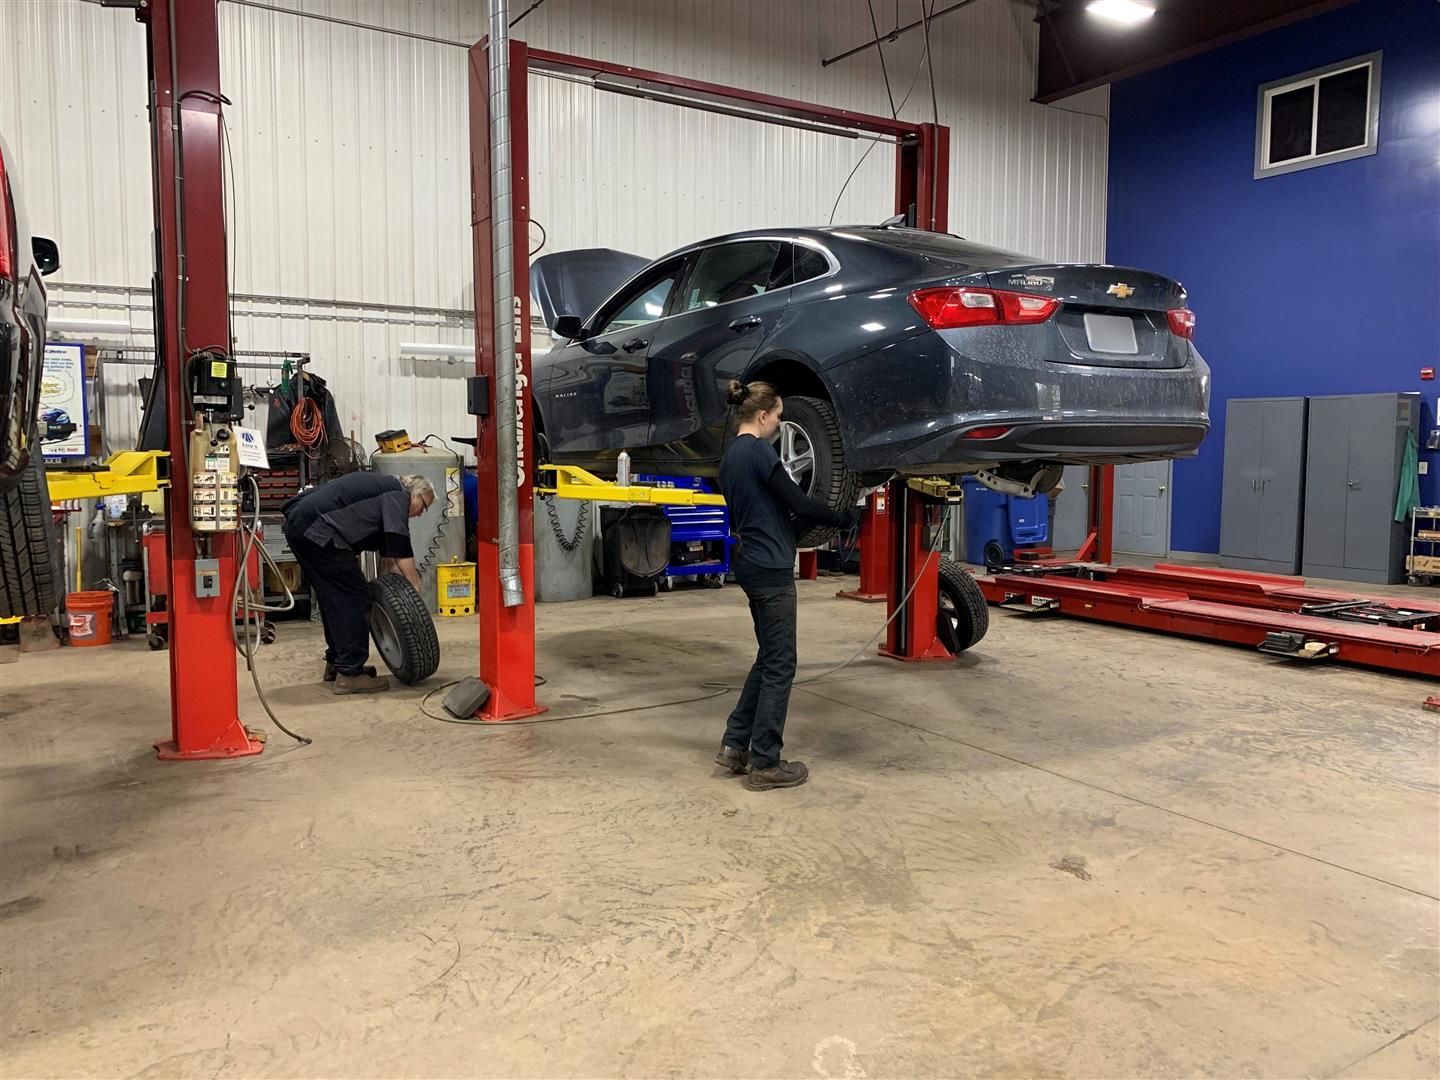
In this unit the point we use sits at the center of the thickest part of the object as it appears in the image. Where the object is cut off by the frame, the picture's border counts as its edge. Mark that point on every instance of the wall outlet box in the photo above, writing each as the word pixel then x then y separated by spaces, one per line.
pixel 1424 468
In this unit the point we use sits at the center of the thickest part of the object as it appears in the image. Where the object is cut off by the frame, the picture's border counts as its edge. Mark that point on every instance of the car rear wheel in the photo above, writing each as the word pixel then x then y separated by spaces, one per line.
pixel 29 578
pixel 402 629
pixel 813 453
pixel 963 618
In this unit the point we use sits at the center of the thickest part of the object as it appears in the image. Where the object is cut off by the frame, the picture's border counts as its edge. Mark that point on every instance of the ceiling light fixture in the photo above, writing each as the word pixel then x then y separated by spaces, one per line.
pixel 1128 12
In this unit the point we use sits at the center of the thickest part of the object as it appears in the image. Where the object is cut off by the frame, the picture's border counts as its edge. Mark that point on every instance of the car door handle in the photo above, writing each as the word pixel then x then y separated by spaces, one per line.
pixel 745 322
pixel 635 344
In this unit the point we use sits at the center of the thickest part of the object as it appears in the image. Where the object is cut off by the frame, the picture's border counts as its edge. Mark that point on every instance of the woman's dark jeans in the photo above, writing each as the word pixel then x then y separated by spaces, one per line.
pixel 758 722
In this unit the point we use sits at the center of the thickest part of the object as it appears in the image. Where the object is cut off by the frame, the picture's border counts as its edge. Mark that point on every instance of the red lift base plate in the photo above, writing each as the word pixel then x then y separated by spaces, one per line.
pixel 863 597
pixel 936 654
pixel 490 713
pixel 168 750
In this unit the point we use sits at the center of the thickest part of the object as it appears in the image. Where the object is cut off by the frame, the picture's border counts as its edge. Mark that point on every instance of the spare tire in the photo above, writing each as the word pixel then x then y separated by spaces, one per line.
pixel 813 453
pixel 402 629
pixel 963 617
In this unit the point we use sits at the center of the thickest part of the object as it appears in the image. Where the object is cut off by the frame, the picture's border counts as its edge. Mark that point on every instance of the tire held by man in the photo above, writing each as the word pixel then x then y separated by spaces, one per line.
pixel 402 629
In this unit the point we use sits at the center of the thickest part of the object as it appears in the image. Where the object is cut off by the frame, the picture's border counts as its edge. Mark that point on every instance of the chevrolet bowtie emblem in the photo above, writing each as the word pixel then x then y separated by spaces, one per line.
pixel 1120 289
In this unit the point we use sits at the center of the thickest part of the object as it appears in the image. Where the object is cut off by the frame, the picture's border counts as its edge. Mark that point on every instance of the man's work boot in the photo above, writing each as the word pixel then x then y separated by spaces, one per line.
pixel 785 774
pixel 330 671
pixel 359 684
pixel 737 761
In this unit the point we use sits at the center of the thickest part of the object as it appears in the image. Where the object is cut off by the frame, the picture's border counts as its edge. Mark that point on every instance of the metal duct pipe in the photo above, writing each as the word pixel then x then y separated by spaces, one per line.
pixel 502 241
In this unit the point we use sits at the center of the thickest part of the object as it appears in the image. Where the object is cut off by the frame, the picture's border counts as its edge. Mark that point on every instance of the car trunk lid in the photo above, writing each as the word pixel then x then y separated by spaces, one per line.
pixel 1109 316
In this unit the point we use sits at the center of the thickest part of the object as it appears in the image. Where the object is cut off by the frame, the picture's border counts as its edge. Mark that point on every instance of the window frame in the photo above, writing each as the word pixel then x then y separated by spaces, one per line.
pixel 699 256
pixel 627 294
pixel 1265 93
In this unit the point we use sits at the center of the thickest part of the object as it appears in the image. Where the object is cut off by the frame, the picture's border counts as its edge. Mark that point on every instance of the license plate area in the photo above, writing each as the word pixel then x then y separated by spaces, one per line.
pixel 1111 333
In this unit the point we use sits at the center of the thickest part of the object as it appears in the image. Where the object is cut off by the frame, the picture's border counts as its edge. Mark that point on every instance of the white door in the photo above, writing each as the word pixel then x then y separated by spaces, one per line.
pixel 1142 508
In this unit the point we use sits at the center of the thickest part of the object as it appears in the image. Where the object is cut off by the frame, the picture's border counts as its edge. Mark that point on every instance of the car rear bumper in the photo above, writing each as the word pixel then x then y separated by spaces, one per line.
pixel 910 406
pixel 1090 443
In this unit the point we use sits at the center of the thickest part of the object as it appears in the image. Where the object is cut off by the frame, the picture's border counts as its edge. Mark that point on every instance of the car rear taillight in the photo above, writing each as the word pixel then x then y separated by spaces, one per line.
pixel 995 431
pixel 1182 322
pixel 7 225
pixel 952 307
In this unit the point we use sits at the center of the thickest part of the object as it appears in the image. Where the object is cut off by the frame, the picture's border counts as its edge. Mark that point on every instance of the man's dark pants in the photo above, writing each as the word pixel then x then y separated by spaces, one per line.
pixel 344 595
pixel 758 722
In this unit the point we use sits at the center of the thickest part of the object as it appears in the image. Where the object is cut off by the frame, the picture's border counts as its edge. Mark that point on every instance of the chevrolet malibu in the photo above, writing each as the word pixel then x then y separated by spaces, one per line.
pixel 897 351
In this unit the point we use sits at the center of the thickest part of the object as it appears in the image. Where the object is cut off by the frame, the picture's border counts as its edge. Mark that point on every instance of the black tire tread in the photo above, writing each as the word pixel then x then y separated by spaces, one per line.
pixel 842 487
pixel 416 629
pixel 970 607
pixel 28 574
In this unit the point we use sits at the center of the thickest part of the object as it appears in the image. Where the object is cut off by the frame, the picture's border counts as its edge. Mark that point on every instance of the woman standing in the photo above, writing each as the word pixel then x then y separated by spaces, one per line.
pixel 765 507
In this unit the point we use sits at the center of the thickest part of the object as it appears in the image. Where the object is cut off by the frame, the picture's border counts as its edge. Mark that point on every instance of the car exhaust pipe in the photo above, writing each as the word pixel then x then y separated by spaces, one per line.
pixel 1040 482
pixel 512 590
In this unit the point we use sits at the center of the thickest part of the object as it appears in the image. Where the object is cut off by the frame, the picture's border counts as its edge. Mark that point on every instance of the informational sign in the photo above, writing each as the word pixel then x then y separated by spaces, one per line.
pixel 62 419
pixel 250 448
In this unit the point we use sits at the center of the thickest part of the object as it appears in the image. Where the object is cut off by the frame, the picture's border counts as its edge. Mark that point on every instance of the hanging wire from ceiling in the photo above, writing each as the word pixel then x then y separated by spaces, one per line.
pixel 930 60
pixel 884 70
pixel 914 81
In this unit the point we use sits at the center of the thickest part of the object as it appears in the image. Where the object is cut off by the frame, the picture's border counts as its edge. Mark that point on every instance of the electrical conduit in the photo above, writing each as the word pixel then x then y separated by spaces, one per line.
pixel 503 265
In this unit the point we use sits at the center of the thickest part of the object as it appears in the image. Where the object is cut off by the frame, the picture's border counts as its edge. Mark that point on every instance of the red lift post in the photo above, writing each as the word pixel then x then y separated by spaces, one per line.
pixel 183 52
pixel 507 635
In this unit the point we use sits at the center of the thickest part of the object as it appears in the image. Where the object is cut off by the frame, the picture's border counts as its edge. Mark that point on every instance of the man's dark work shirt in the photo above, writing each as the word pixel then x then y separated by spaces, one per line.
pixel 362 511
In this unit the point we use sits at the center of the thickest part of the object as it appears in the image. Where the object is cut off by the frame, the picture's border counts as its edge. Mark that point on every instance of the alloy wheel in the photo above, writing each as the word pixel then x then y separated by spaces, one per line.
pixel 797 455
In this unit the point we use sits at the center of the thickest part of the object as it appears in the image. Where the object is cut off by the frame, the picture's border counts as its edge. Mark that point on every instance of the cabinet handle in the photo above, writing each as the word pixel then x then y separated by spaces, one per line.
pixel 1254 485
pixel 1353 485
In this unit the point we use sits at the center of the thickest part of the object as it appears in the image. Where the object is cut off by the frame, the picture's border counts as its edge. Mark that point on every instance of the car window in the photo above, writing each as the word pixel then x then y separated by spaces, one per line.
pixel 728 272
pixel 798 264
pixel 646 300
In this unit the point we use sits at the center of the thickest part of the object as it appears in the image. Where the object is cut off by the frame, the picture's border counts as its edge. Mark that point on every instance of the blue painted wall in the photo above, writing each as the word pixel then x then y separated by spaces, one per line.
pixel 1325 281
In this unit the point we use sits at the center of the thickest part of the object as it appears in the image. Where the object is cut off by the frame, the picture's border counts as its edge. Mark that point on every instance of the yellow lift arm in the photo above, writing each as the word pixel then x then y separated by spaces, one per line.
pixel 572 482
pixel 128 472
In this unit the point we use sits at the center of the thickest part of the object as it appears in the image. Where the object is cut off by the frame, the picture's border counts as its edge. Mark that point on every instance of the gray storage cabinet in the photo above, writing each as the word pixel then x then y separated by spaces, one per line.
pixel 1262 496
pixel 1352 478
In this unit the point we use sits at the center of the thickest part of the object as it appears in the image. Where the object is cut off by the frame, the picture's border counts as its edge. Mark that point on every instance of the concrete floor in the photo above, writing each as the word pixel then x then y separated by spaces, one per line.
pixel 1078 851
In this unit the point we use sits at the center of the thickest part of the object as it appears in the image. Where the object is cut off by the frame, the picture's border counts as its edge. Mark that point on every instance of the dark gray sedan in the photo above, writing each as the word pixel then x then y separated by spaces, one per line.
pixel 896 351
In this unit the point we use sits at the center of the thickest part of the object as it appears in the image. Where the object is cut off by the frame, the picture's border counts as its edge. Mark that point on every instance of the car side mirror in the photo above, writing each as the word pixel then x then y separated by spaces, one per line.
pixel 47 255
pixel 569 327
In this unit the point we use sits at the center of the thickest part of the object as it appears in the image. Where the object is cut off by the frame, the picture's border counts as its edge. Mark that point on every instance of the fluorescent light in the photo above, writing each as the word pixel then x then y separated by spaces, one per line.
pixel 91 326
pixel 1128 12
pixel 435 348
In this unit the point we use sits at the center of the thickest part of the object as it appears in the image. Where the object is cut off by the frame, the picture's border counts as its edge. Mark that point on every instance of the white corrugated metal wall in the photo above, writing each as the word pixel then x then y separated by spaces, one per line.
pixel 349 222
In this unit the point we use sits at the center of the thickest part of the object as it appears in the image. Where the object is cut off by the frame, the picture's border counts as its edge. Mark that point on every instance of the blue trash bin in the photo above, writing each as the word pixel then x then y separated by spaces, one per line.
pixel 996 524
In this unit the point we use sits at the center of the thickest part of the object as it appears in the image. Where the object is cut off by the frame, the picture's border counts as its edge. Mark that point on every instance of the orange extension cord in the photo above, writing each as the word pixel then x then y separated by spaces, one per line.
pixel 307 424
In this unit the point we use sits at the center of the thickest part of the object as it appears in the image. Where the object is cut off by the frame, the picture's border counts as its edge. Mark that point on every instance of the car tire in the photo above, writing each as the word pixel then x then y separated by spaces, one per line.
pixel 963 617
pixel 403 632
pixel 832 483
pixel 29 575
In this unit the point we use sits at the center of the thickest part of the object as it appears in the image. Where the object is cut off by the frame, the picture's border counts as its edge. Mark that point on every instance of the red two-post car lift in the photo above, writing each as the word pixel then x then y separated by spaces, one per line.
pixel 507 635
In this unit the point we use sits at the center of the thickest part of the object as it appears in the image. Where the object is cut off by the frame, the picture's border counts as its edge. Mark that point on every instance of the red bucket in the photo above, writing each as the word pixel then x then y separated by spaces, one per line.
pixel 89 617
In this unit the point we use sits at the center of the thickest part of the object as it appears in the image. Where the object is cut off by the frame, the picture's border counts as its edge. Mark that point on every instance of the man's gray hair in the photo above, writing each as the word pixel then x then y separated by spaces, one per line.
pixel 418 485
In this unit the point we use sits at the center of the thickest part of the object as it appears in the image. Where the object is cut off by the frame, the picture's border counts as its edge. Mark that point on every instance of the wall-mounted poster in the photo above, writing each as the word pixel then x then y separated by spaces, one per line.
pixel 62 422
